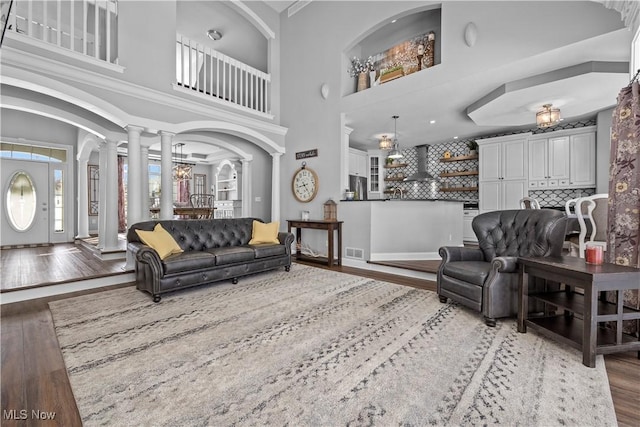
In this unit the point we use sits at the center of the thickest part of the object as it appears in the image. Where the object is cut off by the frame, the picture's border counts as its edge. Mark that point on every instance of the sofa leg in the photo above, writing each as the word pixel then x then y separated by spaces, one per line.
pixel 287 268
pixel 490 321
pixel 442 299
pixel 234 280
pixel 156 298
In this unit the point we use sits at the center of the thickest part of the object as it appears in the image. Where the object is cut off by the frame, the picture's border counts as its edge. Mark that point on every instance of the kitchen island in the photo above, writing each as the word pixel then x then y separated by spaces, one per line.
pixel 397 229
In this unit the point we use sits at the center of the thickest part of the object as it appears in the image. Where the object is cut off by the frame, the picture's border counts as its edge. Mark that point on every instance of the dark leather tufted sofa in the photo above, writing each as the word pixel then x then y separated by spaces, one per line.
pixel 486 279
pixel 214 249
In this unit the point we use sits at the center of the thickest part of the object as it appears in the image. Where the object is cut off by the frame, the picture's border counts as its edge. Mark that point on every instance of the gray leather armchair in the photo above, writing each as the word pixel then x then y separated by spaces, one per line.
pixel 486 278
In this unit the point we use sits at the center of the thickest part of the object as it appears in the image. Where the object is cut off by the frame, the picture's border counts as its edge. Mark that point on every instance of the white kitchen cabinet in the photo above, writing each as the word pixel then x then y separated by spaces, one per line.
pixel 549 162
pixel 583 160
pixel 357 162
pixel 503 172
pixel 467 231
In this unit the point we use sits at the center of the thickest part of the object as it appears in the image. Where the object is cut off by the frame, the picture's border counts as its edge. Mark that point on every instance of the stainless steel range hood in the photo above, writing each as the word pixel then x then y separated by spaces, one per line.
pixel 422 175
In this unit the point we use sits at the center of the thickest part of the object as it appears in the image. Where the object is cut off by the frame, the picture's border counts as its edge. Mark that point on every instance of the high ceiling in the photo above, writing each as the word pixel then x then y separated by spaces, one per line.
pixel 478 100
pixel 581 78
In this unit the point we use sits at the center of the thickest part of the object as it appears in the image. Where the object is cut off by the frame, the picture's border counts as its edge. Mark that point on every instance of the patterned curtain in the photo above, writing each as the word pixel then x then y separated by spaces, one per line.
pixel 122 218
pixel 624 190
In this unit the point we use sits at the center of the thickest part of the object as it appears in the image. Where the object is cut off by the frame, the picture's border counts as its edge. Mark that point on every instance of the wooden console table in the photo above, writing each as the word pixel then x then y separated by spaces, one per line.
pixel 576 317
pixel 331 227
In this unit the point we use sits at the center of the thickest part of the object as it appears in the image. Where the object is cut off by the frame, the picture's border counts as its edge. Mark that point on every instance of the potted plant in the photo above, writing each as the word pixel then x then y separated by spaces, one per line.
pixel 361 70
pixel 391 73
pixel 473 147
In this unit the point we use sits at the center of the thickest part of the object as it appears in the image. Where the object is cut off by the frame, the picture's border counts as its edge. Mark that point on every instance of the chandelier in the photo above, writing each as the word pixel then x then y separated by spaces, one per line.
pixel 181 171
pixel 395 152
pixel 385 143
pixel 548 116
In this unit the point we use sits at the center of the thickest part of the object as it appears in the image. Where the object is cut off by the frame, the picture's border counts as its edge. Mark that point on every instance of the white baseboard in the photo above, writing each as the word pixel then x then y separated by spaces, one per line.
pixel 405 256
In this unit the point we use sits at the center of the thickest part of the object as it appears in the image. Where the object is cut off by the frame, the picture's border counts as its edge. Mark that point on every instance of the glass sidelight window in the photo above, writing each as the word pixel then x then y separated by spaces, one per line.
pixel 58 198
pixel 21 201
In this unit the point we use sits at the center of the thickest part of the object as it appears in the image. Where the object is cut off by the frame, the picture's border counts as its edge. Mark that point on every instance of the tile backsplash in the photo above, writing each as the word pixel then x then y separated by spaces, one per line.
pixel 425 190
pixel 557 198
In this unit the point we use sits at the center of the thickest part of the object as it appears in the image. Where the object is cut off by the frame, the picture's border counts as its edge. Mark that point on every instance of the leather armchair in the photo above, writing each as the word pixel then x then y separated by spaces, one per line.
pixel 485 279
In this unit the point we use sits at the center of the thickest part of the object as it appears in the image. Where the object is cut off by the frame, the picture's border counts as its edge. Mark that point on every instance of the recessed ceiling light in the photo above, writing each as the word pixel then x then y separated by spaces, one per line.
pixel 214 35
pixel 394 21
pixel 455 137
pixel 432 121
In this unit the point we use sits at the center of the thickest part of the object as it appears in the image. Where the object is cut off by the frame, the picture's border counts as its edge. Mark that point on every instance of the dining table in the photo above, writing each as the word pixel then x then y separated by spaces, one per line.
pixel 187 211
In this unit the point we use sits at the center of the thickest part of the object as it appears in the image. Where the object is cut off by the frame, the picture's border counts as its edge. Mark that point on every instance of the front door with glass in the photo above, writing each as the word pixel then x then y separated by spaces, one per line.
pixel 25 193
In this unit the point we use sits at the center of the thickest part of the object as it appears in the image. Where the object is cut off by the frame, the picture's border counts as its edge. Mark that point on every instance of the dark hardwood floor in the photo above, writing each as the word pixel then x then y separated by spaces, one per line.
pixel 34 377
pixel 28 267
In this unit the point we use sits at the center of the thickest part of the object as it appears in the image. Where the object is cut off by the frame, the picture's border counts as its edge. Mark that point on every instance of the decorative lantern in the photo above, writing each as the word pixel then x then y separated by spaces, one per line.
pixel 330 210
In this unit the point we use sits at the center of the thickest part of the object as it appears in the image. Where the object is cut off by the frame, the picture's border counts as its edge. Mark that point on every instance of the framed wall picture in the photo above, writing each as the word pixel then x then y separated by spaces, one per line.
pixel 93 175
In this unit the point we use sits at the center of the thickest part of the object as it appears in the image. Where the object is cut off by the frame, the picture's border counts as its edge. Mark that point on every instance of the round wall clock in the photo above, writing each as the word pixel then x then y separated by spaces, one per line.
pixel 304 184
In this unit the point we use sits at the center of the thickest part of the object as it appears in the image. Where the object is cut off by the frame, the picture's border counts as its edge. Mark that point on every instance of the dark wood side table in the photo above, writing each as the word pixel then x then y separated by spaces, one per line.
pixel 575 321
pixel 331 227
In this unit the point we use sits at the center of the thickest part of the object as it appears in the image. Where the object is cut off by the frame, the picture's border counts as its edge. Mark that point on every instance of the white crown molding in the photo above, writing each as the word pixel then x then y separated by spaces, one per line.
pixel 29 61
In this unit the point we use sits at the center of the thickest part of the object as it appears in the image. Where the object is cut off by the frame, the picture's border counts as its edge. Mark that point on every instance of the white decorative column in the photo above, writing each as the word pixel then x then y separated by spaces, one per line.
pixel 134 176
pixel 83 197
pixel 275 186
pixel 110 205
pixel 247 197
pixel 166 177
pixel 102 192
pixel 144 165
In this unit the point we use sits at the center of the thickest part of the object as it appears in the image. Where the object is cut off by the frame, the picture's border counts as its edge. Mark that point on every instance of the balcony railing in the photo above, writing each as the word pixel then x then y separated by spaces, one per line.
pixel 88 27
pixel 211 73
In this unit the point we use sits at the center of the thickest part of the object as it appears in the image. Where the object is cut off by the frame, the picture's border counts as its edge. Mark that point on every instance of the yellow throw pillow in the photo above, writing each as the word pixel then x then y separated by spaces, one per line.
pixel 160 240
pixel 264 233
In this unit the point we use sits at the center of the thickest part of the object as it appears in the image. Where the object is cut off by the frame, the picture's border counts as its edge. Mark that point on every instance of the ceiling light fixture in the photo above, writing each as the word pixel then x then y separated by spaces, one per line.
pixel 395 152
pixel 548 116
pixel 181 171
pixel 214 35
pixel 385 143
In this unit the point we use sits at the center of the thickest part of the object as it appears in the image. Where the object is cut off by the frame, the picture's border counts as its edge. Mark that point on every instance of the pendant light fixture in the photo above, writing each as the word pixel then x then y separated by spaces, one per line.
pixel 547 116
pixel 181 171
pixel 385 143
pixel 395 152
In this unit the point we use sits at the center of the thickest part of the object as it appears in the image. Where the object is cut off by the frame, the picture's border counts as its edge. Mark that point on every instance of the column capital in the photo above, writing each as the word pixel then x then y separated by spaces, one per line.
pixel 166 133
pixel 276 155
pixel 134 128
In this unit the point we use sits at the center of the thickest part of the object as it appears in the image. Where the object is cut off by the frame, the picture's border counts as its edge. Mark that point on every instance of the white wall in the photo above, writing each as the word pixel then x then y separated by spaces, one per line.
pixel 314 39
pixel 603 150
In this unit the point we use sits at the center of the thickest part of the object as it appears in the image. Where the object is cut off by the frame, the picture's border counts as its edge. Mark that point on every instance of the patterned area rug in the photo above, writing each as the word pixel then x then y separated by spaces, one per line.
pixel 320 348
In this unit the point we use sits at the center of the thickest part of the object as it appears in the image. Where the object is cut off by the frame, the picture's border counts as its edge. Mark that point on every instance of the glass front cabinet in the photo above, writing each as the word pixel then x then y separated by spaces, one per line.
pixel 375 174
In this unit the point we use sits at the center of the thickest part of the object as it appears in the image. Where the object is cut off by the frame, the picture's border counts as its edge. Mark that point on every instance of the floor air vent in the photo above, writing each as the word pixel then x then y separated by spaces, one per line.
pixel 354 253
